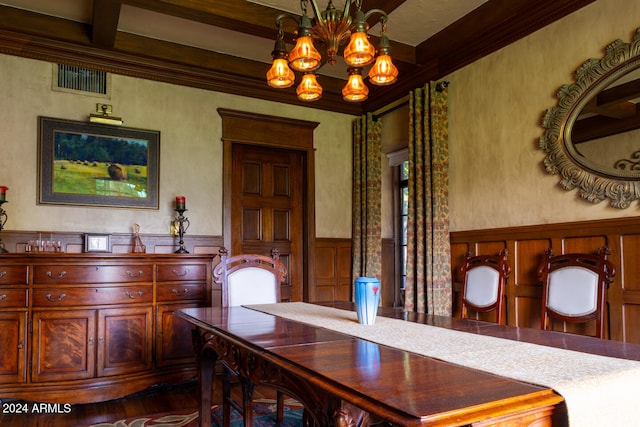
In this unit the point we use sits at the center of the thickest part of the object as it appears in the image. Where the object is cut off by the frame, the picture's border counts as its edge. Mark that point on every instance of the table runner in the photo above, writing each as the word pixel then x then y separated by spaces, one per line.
pixel 598 390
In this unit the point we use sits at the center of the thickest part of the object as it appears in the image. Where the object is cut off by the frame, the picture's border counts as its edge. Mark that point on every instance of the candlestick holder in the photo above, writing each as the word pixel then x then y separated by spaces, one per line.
pixel 3 220
pixel 182 228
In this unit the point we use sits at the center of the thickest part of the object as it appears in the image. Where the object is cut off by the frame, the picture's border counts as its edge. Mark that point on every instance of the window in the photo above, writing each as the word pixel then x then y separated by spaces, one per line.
pixel 403 210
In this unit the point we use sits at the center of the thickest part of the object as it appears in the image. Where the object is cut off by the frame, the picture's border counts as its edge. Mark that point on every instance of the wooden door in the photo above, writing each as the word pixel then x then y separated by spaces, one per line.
pixel 267 208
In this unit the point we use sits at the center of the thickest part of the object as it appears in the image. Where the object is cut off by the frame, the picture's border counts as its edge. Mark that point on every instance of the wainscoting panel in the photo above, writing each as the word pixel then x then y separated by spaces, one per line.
pixel 526 246
pixel 524 293
pixel 333 270
pixel 121 243
pixel 390 292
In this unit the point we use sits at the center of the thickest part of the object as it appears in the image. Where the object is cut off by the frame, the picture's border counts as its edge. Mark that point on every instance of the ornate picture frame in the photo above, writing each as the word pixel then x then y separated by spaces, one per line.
pixel 88 164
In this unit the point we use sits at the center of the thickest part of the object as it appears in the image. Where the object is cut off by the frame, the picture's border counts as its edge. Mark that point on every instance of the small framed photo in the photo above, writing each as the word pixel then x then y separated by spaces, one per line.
pixel 97 242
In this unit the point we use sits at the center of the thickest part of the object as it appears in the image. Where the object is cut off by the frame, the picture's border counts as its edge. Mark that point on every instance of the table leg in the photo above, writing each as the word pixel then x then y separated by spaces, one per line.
pixel 350 415
pixel 248 388
pixel 206 361
pixel 207 372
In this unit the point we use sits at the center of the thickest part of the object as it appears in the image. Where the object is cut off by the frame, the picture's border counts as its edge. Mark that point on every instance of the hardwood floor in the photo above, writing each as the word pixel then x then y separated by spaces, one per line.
pixel 163 398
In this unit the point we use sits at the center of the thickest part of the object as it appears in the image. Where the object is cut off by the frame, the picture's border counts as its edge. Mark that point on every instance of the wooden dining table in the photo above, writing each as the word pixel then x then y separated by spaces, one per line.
pixel 345 380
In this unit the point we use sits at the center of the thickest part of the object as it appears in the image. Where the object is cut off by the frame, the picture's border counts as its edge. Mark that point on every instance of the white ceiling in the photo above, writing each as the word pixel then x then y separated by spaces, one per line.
pixel 411 23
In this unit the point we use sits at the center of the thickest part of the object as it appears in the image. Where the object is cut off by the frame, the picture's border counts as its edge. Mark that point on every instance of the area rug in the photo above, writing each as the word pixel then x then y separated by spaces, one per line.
pixel 264 415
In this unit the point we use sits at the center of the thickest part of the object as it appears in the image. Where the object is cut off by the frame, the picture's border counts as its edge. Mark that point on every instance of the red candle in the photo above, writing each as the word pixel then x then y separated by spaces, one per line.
pixel 181 202
pixel 3 193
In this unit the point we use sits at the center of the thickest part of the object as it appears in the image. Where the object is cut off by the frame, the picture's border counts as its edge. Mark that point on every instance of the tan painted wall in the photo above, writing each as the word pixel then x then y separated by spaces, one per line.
pixel 190 152
pixel 496 107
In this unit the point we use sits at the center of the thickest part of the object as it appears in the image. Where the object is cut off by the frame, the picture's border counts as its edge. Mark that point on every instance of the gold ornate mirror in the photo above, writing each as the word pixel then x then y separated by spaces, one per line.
pixel 592 136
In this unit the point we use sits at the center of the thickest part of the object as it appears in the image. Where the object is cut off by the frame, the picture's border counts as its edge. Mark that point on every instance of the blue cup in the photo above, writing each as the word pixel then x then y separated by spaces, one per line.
pixel 367 295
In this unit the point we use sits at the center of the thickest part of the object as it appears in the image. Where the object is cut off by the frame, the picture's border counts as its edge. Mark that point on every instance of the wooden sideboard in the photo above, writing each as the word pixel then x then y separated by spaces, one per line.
pixel 79 328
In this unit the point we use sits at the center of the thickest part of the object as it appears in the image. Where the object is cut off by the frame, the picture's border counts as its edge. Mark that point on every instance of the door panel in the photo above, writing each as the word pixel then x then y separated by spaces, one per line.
pixel 173 337
pixel 63 345
pixel 13 340
pixel 267 207
pixel 124 340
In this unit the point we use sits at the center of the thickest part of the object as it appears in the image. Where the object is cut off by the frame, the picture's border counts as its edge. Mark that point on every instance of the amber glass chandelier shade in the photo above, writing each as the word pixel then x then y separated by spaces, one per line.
pixel 355 90
pixel 329 31
pixel 309 89
pixel 383 71
pixel 359 52
pixel 280 75
pixel 304 56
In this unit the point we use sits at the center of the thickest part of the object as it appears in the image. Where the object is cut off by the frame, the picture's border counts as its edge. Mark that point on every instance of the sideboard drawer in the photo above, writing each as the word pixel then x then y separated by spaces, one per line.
pixel 13 274
pixel 182 292
pixel 10 298
pixel 49 274
pixel 182 272
pixel 73 296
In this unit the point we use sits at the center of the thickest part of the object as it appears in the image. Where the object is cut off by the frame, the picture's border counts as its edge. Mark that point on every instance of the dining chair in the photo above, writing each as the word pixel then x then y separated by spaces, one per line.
pixel 247 279
pixel 575 288
pixel 484 280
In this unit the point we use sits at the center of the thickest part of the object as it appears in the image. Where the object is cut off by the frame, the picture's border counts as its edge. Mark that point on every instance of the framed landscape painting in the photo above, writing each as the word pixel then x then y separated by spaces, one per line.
pixel 90 164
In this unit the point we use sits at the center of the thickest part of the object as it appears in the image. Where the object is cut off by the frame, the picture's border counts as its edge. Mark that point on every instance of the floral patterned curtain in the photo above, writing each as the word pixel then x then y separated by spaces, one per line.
pixel 428 283
pixel 367 176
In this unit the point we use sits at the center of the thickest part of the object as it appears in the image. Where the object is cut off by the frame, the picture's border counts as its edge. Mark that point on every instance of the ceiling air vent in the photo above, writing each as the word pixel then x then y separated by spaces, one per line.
pixel 81 79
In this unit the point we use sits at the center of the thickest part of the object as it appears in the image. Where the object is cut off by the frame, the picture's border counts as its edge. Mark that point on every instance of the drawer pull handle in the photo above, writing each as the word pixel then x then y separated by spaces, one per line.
pixel 140 293
pixel 55 299
pixel 185 291
pixel 3 296
pixel 3 273
pixel 59 276
pixel 20 345
pixel 134 275
pixel 177 273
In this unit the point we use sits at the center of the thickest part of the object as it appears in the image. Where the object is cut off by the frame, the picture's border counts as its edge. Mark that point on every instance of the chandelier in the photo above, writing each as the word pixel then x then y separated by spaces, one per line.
pixel 330 29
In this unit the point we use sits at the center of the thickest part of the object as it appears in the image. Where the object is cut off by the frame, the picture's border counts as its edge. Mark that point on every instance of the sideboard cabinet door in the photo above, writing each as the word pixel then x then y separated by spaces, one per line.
pixel 124 340
pixel 174 344
pixel 13 338
pixel 63 345
pixel 179 286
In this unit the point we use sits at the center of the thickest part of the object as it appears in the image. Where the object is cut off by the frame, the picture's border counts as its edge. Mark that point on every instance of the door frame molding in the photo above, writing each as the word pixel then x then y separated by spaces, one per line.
pixel 265 130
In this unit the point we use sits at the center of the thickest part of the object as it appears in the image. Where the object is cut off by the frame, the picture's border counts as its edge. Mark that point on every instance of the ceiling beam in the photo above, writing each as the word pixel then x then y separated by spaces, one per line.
pixel 101 46
pixel 104 23
pixel 600 126
pixel 236 15
pixel 254 19
pixel 620 93
pixel 492 26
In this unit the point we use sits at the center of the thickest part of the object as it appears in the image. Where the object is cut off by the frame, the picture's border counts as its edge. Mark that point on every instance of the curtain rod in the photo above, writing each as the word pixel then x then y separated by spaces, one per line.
pixel 440 86
pixel 391 108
